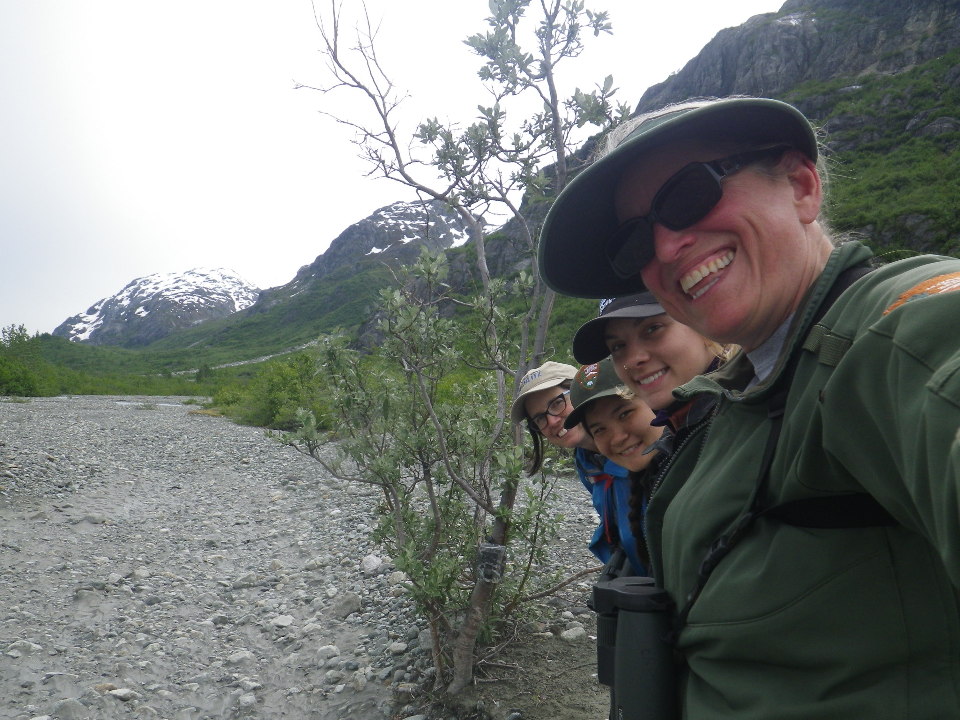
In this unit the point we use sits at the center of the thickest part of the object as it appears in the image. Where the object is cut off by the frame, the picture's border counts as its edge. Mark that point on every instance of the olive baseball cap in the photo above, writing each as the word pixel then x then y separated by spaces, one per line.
pixel 592 382
pixel 589 343
pixel 572 257
pixel 547 375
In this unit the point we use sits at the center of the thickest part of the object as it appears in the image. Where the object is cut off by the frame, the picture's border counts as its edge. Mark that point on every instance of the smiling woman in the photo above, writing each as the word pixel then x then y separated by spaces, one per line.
pixel 652 353
pixel 806 527
pixel 617 420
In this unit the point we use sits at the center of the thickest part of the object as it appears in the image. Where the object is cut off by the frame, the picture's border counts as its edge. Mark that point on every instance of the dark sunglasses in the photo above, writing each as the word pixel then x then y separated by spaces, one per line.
pixel 683 200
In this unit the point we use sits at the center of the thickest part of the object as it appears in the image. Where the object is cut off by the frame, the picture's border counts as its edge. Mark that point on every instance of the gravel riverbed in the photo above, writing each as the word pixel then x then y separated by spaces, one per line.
pixel 158 562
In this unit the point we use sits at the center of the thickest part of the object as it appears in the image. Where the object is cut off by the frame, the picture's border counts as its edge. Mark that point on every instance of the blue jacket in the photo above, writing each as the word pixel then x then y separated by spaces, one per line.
pixel 609 486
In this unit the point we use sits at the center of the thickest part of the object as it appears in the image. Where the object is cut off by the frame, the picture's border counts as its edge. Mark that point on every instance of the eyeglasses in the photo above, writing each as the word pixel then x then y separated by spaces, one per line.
pixel 683 200
pixel 554 408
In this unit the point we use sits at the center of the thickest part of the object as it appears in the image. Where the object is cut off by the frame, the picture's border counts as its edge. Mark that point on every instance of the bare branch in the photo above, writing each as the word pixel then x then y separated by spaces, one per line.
pixel 559 586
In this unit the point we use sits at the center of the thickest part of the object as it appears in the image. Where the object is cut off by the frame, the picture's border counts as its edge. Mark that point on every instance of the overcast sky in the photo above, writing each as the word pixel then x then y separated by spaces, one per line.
pixel 149 136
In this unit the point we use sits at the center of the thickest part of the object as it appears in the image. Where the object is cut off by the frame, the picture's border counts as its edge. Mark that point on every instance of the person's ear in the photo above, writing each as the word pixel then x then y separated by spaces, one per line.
pixel 807 186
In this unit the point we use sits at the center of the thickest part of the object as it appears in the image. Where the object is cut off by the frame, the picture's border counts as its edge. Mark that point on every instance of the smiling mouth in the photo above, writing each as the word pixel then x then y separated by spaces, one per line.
pixel 652 378
pixel 696 278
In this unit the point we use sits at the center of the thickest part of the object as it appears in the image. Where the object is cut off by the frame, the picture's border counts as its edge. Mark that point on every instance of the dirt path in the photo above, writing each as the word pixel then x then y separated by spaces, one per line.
pixel 162 564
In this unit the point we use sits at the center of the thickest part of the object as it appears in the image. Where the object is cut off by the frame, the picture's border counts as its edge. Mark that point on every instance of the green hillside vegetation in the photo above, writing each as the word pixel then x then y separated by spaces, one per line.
pixel 342 299
pixel 894 186
pixel 897 187
pixel 45 366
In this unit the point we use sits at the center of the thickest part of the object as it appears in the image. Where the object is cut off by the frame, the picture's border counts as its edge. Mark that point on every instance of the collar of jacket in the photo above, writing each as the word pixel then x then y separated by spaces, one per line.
pixel 735 375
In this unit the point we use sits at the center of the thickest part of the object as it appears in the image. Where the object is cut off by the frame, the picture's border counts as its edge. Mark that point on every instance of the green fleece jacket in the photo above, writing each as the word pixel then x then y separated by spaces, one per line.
pixel 829 623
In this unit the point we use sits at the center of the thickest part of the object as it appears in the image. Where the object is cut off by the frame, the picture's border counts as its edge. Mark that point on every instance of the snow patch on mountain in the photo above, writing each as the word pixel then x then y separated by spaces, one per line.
pixel 153 306
pixel 412 224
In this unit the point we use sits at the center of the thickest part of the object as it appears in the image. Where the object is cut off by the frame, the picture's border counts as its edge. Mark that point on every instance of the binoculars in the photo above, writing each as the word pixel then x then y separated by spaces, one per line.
pixel 634 650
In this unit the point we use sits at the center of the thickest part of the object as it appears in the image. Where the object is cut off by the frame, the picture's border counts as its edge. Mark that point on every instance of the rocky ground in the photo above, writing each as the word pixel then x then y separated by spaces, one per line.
pixel 158 562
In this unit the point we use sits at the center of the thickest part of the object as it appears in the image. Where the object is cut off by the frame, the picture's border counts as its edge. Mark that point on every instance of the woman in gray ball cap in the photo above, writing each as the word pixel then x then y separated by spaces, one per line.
pixel 810 533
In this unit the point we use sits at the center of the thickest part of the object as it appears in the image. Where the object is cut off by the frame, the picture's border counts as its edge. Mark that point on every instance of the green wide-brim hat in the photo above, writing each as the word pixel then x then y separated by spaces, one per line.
pixel 572 257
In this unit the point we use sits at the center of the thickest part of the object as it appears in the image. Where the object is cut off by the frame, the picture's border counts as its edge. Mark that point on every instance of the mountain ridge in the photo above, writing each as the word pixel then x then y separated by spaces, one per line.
pixel 813 41
pixel 882 78
pixel 153 306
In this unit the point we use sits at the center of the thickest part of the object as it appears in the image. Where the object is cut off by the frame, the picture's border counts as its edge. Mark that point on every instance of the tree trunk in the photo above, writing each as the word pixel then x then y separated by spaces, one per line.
pixel 489 569
pixel 466 640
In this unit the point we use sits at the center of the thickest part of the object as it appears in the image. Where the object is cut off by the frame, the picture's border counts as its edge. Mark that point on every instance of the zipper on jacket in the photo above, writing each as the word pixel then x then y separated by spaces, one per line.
pixel 661 474
pixel 688 432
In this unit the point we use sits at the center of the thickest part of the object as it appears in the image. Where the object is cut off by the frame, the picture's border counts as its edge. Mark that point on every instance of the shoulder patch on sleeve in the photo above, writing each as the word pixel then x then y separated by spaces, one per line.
pixel 933 286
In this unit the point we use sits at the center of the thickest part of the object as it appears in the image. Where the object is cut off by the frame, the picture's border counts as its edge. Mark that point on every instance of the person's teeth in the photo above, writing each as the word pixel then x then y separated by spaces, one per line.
pixel 698 274
pixel 690 280
pixel 703 289
pixel 656 376
pixel 562 432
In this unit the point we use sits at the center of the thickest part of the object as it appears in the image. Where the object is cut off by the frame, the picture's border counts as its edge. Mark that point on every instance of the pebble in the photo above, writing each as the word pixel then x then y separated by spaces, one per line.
pixel 574 634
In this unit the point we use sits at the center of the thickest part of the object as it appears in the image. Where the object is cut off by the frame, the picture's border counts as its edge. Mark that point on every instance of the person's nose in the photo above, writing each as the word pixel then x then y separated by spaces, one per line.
pixel 618 436
pixel 669 245
pixel 553 421
pixel 637 354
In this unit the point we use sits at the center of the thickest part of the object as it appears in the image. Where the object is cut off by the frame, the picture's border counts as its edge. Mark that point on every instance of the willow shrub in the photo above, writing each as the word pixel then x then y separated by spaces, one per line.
pixel 424 426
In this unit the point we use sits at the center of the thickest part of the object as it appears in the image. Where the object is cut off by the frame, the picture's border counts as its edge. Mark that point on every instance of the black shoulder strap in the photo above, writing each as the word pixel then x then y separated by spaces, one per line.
pixel 844 280
pixel 855 510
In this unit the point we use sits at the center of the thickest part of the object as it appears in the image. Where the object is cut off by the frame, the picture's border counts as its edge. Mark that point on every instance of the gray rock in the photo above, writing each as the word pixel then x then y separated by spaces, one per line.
pixel 124 694
pixel 326 652
pixel 241 657
pixel 70 709
pixel 22 647
pixel 346 604
pixel 575 634
pixel 370 564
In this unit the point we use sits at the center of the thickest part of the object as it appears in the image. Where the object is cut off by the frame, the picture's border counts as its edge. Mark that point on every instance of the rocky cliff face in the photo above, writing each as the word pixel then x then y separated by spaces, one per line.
pixel 152 307
pixel 813 40
pixel 393 234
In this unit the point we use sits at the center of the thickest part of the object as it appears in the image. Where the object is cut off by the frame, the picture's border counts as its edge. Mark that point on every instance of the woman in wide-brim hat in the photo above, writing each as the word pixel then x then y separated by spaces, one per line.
pixel 809 533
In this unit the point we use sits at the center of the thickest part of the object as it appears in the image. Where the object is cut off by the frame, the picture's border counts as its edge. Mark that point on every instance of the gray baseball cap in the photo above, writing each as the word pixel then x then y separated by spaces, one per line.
pixel 589 343
pixel 572 242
